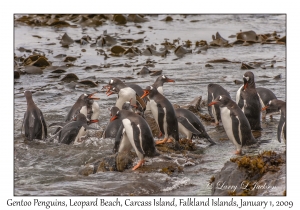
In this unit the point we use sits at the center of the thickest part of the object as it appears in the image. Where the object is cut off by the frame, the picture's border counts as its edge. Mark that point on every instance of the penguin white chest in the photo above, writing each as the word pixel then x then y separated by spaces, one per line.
pixel 126 94
pixel 160 90
pixel 81 133
pixel 227 123
pixel 154 109
pixel 83 110
pixel 96 111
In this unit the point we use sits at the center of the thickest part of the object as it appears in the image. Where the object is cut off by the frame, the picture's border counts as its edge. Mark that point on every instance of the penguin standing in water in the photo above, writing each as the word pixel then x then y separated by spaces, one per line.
pixel 86 105
pixel 125 93
pixel 248 101
pixel 113 126
pixel 73 131
pixel 190 125
pixel 134 133
pixel 33 122
pixel 164 115
pixel 213 91
pixel 265 95
pixel 235 123
pixel 281 106
pixel 158 84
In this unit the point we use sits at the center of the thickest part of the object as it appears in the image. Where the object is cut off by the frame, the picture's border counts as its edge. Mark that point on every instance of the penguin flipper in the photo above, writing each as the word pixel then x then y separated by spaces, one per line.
pixel 43 124
pixel 23 122
pixel 89 128
pixel 161 115
pixel 69 134
pixel 209 100
pixel 235 127
pixel 188 125
pixel 136 137
pixel 118 138
pixel 280 129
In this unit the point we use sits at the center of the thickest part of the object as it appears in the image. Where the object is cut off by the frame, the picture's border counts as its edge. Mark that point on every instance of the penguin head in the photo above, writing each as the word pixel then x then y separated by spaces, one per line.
pixel 221 100
pixel 116 116
pixel 148 90
pixel 81 117
pixel 248 79
pixel 273 104
pixel 113 110
pixel 128 106
pixel 162 79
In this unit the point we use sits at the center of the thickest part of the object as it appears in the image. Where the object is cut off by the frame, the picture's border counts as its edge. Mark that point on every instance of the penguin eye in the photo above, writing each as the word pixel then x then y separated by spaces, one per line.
pixel 111 82
pixel 117 113
pixel 270 102
pixel 247 78
pixel 163 76
pixel 220 97
pixel 85 95
pixel 151 87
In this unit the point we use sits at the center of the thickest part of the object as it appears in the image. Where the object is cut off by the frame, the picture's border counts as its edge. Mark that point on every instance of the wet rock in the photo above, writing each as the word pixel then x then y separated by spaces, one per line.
pixel 144 71
pixel 70 59
pixel 70 77
pixel 66 40
pixel 36 60
pixel 261 174
pixel 248 36
pixel 60 56
pixel 194 105
pixel 155 72
pixel 167 19
pixel 58 71
pixel 238 82
pixel 277 76
pixel 88 82
pixel 180 51
pixel 120 19
pixel 136 18
pixel 33 70
pixel 16 74
pixel 117 50
pixel 222 60
pixel 208 65
pixel 245 66
pixel 218 40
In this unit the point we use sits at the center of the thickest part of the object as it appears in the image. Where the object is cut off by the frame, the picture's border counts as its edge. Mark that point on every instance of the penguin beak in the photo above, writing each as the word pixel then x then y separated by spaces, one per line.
pixel 113 118
pixel 93 121
pixel 110 93
pixel 170 80
pixel 146 92
pixel 108 87
pixel 264 108
pixel 212 103
pixel 91 96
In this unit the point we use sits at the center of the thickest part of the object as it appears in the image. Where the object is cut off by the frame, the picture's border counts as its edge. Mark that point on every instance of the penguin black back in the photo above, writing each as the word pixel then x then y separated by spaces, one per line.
pixel 34 123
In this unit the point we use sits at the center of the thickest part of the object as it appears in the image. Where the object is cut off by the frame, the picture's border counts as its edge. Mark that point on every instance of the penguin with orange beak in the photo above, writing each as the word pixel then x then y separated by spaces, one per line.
pixel 234 122
pixel 164 115
pixel 134 133
pixel 86 105
pixel 281 128
pixel 248 100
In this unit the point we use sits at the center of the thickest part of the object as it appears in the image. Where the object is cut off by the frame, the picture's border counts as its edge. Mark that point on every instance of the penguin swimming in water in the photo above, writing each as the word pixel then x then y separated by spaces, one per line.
pixel 86 105
pixel 281 106
pixel 234 122
pixel 33 122
pixel 248 101
pixel 164 115
pixel 213 91
pixel 134 133
pixel 190 125
pixel 73 131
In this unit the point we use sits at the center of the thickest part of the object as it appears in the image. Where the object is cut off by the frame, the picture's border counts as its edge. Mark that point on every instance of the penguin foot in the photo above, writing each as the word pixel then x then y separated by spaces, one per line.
pixel 170 140
pixel 215 124
pixel 139 164
pixel 238 152
pixel 161 141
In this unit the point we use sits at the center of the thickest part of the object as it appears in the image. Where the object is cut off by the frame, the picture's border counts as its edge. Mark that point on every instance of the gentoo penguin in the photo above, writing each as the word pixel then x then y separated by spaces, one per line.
pixel 281 106
pixel 33 122
pixel 86 105
pixel 73 131
pixel 235 123
pixel 248 100
pixel 213 91
pixel 164 115
pixel 265 95
pixel 134 133
pixel 113 126
pixel 190 125
pixel 125 93
pixel 158 84
pixel 140 108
